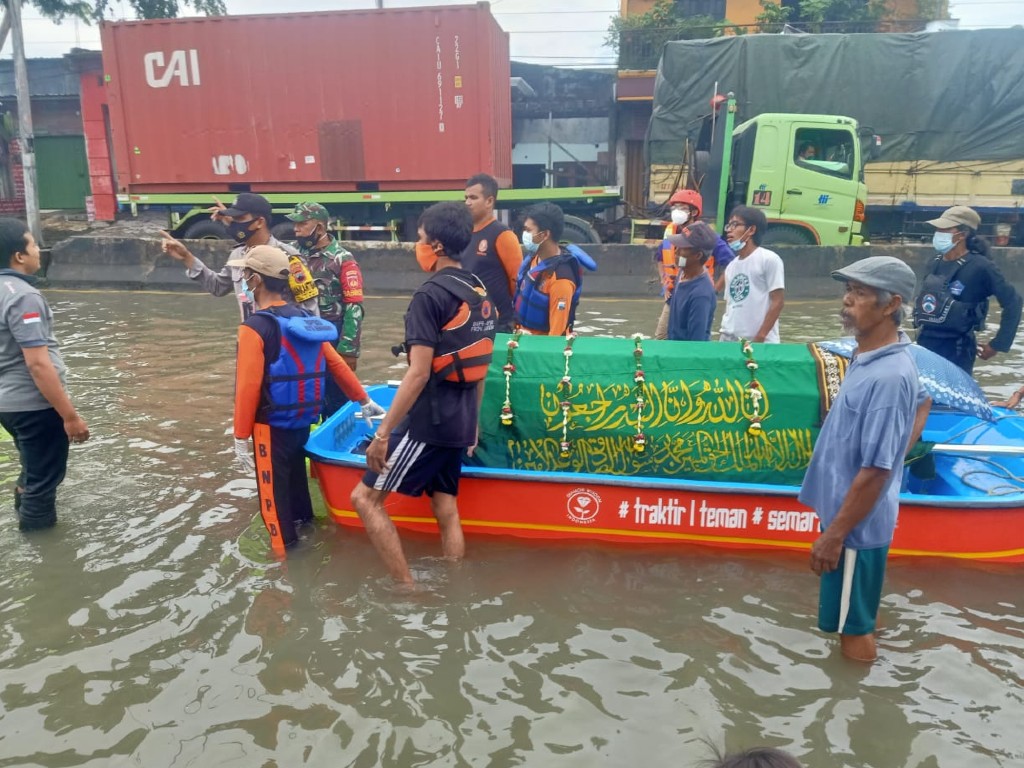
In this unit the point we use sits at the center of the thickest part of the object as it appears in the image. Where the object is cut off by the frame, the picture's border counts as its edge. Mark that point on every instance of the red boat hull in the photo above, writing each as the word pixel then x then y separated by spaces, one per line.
pixel 631 513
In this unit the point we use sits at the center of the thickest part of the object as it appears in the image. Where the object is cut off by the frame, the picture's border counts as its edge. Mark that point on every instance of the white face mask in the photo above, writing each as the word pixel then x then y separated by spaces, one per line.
pixel 680 216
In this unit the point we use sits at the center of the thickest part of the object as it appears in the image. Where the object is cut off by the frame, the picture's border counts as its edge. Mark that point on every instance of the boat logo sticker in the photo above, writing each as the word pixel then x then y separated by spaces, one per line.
pixel 583 505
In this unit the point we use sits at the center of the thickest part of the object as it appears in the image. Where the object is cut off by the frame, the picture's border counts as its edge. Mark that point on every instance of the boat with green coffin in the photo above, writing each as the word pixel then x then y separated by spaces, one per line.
pixel 660 442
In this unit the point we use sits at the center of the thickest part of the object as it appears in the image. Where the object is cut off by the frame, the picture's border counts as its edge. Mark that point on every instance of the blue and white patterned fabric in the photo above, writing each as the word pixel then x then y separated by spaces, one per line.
pixel 947 384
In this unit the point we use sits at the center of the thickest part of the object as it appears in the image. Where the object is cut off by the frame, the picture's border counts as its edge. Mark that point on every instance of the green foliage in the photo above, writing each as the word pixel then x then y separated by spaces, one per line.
pixel 638 38
pixel 932 9
pixel 834 15
pixel 773 16
pixel 95 10
pixel 8 127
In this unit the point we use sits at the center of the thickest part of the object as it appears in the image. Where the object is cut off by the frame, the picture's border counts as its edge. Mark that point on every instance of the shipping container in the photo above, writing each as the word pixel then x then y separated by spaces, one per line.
pixel 339 101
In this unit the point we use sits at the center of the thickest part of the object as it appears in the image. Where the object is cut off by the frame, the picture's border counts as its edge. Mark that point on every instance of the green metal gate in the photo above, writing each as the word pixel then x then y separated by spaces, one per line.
pixel 62 172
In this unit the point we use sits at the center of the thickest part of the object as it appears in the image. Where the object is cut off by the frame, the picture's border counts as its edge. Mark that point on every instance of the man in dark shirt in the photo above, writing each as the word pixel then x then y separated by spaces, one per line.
pixel 494 254
pixel 449 335
pixel 953 301
pixel 692 306
pixel 35 408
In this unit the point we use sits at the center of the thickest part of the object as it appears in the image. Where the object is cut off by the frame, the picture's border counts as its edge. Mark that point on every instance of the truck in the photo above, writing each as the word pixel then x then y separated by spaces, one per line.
pixel 805 171
pixel 940 112
pixel 375 114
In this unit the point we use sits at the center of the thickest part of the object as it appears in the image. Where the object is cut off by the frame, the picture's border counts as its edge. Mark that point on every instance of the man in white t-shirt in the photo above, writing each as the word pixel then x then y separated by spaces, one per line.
pixel 755 281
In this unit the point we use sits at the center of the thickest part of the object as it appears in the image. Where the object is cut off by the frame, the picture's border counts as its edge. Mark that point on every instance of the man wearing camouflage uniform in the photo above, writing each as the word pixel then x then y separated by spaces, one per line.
pixel 340 283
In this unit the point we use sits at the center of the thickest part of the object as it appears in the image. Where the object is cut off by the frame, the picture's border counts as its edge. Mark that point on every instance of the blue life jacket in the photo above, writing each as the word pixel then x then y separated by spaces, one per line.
pixel 531 304
pixel 293 385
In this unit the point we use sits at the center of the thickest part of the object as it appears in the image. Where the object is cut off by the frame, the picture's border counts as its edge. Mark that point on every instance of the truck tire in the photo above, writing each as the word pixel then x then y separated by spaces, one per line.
pixel 701 166
pixel 578 231
pixel 285 231
pixel 205 230
pixel 785 234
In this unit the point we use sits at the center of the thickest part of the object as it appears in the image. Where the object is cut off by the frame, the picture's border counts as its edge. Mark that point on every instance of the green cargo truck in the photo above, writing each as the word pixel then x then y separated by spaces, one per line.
pixel 805 171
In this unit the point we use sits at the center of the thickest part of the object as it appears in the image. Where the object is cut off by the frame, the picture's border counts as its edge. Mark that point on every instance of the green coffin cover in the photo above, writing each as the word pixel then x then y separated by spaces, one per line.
pixel 697 415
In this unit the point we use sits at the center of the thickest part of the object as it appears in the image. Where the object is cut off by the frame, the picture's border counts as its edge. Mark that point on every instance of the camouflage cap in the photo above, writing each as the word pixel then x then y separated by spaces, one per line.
pixel 307 211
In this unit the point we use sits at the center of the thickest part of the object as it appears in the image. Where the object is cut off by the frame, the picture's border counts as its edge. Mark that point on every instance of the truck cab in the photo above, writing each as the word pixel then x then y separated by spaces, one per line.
pixel 806 172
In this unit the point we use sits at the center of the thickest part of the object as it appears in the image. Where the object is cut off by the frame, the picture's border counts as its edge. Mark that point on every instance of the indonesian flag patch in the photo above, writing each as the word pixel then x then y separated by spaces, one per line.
pixel 31 317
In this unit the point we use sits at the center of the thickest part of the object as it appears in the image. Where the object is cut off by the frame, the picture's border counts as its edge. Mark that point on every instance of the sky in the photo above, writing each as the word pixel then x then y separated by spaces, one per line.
pixel 572 34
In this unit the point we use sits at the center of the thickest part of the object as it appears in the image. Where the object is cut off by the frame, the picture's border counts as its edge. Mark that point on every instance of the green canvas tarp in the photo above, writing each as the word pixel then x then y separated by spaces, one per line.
pixel 942 96
pixel 696 421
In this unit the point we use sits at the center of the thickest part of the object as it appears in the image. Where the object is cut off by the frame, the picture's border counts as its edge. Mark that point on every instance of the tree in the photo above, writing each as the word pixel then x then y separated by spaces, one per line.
pixel 638 38
pixel 95 10
pixel 841 15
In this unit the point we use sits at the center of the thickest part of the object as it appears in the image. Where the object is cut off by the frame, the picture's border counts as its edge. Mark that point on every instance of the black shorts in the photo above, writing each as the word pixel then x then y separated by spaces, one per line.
pixel 414 468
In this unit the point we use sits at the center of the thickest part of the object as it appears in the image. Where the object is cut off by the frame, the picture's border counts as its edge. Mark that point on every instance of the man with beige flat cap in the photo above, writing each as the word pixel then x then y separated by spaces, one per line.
pixel 953 302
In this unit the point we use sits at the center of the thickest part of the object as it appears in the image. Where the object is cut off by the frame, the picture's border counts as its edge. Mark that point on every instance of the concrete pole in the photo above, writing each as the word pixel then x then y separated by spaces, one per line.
pixel 5 30
pixel 28 150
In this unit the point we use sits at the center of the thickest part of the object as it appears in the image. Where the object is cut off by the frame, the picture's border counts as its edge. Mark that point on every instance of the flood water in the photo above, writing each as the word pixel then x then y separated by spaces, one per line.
pixel 152 628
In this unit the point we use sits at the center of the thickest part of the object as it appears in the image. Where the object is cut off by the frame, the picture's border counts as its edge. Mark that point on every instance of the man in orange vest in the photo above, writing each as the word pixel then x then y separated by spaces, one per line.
pixel 686 208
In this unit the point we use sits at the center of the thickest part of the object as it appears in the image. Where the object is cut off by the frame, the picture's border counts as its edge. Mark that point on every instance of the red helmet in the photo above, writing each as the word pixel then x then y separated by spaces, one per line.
pixel 689 197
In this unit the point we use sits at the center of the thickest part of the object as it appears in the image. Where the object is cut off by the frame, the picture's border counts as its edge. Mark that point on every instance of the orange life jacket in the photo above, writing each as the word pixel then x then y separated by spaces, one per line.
pixel 464 350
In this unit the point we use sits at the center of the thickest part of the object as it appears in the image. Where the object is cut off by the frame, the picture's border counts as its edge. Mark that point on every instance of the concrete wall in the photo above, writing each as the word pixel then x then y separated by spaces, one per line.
pixel 625 270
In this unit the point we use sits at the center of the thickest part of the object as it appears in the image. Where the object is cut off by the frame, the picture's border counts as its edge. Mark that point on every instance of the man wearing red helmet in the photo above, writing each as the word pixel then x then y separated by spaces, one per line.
pixel 686 206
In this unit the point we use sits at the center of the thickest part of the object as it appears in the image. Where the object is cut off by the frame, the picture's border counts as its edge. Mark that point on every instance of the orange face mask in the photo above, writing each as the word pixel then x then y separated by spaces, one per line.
pixel 426 256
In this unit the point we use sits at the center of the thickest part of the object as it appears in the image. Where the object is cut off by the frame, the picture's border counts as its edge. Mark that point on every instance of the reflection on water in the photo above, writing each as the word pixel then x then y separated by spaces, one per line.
pixel 151 628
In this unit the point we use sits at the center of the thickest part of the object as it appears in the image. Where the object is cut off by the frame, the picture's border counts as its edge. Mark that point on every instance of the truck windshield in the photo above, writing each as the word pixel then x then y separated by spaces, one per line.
pixel 825 150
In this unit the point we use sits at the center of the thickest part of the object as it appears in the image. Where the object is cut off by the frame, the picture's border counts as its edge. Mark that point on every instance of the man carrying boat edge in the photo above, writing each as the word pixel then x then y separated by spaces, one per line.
pixel 449 339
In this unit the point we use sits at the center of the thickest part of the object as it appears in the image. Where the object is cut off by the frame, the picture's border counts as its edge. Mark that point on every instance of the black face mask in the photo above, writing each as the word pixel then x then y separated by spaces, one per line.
pixel 239 230
pixel 309 242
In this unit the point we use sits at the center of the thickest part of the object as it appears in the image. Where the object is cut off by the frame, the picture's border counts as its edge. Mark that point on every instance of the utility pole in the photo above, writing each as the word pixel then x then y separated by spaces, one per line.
pixel 27 140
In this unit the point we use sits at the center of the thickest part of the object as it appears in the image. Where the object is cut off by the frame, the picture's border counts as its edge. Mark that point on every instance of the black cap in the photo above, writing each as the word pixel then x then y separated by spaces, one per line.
pixel 249 202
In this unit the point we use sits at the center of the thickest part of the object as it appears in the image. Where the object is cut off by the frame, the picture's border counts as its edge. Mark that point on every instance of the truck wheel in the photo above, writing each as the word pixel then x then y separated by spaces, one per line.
pixel 206 230
pixel 787 235
pixel 701 166
pixel 285 231
pixel 578 230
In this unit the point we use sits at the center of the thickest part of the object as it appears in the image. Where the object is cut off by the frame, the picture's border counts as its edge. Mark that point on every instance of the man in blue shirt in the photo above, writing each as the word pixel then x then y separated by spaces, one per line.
pixel 853 480
pixel 692 306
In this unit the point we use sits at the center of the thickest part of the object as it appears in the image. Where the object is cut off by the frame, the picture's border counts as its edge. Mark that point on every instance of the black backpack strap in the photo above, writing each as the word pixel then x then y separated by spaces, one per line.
pixel 461 289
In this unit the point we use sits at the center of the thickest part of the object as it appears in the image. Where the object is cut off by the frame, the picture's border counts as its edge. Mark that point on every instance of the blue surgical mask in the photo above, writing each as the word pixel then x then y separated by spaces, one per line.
pixel 248 291
pixel 738 244
pixel 528 245
pixel 942 242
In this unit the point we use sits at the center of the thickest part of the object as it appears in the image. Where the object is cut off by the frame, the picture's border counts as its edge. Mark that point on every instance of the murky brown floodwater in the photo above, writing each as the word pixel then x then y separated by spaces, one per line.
pixel 150 628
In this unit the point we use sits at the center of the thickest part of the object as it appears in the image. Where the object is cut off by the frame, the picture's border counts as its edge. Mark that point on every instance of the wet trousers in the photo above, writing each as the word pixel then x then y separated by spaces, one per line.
pixel 42 447
pixel 281 481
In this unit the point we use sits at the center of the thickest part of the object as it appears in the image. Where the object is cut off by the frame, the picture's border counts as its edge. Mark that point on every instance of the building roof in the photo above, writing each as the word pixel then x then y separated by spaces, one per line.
pixel 46 77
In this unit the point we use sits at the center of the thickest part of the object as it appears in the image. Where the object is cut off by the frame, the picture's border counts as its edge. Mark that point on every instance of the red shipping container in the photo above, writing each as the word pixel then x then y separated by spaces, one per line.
pixel 396 99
